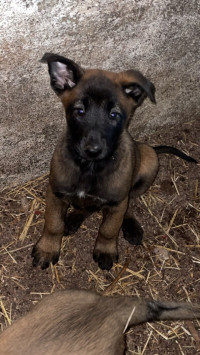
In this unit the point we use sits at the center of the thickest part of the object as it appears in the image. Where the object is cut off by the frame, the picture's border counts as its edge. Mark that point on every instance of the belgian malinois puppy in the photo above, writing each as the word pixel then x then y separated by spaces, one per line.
pixel 75 322
pixel 96 164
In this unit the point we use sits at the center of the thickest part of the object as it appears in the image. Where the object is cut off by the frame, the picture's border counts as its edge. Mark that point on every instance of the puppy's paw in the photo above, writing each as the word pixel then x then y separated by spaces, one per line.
pixel 105 261
pixel 43 258
pixel 72 223
pixel 132 231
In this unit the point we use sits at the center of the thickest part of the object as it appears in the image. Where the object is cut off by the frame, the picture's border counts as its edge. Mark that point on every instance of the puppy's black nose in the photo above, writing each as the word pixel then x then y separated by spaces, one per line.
pixel 93 151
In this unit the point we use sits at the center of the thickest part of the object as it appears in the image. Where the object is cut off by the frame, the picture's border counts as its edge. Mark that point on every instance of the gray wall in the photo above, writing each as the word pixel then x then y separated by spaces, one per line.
pixel 158 37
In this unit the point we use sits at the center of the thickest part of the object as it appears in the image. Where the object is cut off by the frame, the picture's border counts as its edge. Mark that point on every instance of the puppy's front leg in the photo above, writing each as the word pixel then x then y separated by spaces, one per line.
pixel 105 251
pixel 47 249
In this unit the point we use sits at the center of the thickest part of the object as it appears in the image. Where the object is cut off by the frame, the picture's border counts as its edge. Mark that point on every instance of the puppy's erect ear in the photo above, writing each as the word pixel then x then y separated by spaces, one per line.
pixel 138 87
pixel 64 73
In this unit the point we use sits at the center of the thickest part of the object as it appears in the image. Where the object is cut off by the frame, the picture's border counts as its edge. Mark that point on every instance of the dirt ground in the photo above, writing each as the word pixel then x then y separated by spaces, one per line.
pixel 166 266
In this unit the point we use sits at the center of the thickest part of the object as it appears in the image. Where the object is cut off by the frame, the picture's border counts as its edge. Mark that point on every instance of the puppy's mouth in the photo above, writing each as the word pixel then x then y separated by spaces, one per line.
pixel 92 156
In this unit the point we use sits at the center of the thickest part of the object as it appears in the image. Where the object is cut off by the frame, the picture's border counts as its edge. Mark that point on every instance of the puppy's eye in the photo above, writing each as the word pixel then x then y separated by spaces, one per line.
pixel 79 111
pixel 114 114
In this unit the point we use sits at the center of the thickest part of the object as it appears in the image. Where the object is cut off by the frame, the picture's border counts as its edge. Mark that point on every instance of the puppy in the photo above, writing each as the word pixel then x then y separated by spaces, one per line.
pixel 96 164
pixel 78 322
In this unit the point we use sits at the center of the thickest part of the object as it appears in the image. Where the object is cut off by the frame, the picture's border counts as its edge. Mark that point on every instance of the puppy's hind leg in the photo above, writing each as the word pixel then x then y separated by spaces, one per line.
pixel 132 229
pixel 73 220
pixel 147 172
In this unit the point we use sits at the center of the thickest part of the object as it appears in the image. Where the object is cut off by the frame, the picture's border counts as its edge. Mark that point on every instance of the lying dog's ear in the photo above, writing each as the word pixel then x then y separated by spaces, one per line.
pixel 64 73
pixel 139 87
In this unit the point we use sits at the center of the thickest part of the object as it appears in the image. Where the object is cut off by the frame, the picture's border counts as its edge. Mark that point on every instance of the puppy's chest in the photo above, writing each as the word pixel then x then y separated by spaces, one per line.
pixel 95 187
pixel 90 191
pixel 84 190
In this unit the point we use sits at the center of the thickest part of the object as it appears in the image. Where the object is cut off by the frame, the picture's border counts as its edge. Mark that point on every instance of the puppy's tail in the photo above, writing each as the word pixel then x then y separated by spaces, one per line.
pixel 161 149
pixel 150 311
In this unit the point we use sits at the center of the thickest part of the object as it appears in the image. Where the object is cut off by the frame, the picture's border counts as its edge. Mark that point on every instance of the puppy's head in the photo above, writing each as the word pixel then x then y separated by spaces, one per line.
pixel 98 104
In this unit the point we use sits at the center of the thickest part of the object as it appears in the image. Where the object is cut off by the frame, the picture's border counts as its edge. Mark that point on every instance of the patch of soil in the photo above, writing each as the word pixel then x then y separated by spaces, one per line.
pixel 166 266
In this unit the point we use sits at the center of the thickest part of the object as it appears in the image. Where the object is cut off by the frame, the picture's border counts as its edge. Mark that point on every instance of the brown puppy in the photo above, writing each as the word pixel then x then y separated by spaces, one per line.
pixel 96 164
pixel 77 322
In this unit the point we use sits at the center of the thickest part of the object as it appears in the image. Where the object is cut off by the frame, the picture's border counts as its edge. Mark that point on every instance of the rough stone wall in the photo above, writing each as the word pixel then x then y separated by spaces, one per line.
pixel 158 37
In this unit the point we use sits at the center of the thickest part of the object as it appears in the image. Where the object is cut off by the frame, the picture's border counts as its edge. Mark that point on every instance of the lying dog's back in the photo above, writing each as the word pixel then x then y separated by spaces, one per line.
pixel 81 322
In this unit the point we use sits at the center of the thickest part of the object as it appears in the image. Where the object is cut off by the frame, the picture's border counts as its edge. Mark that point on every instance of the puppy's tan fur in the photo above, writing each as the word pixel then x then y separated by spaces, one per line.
pixel 96 164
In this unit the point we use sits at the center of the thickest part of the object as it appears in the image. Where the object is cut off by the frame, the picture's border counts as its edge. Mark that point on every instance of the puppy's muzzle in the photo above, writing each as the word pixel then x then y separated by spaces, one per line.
pixel 92 150
pixel 93 145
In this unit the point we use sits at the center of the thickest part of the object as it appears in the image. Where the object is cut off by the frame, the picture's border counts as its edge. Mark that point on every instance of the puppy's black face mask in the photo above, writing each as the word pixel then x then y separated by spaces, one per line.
pixel 95 120
pixel 98 105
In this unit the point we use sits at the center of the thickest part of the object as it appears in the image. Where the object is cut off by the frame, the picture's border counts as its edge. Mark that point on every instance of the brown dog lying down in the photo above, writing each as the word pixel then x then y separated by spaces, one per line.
pixel 97 165
pixel 75 322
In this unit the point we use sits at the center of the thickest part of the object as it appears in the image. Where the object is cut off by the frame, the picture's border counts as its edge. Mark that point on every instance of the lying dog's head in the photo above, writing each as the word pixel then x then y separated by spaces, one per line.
pixel 98 104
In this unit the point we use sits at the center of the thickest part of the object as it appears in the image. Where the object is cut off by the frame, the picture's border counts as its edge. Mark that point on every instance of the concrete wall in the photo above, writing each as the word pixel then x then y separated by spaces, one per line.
pixel 158 37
